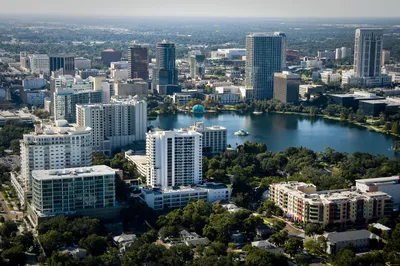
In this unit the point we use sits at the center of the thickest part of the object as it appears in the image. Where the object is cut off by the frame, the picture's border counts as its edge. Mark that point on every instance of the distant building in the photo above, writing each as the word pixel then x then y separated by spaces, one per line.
pixel 34 97
pixel 311 89
pixel 169 89
pixel 84 74
pixel 39 63
pixel 181 98
pixel 176 197
pixel 138 62
pixel 65 101
pixel 197 67
pixel 385 57
pixel 286 87
pixel 230 53
pixel 110 55
pixel 175 158
pixel 326 54
pixel 37 83
pixel 165 72
pixel 23 116
pixel 66 63
pixel 263 59
pixel 131 88
pixel 342 53
pixel 330 77
pixel 353 99
pixel 83 63
pixel 332 207
pixel 361 241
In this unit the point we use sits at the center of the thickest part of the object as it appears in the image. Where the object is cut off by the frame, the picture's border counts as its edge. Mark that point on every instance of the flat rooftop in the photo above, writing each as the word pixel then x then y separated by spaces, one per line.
pixel 205 186
pixel 19 114
pixel 380 180
pixel 95 170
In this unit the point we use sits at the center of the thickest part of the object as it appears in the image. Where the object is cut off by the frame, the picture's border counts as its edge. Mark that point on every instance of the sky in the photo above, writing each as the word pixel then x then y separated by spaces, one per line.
pixel 207 8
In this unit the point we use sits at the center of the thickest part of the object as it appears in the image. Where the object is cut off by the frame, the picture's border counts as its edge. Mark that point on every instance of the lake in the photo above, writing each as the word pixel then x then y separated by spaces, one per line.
pixel 279 131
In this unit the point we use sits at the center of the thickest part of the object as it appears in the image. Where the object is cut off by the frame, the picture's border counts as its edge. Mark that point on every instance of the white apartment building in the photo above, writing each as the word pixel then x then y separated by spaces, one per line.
pixel 330 77
pixel 114 125
pixel 214 137
pixel 66 191
pixel 174 158
pixel 83 63
pixel 52 147
pixel 140 161
pixel 39 63
pixel 159 199
pixel 181 98
pixel 231 53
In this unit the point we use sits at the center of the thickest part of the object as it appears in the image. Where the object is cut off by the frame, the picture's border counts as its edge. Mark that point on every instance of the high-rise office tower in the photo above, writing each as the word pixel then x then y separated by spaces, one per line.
pixel 164 72
pixel 263 59
pixel 284 47
pixel 64 62
pixel 286 87
pixel 138 62
pixel 174 158
pixel 368 52
pixel 114 125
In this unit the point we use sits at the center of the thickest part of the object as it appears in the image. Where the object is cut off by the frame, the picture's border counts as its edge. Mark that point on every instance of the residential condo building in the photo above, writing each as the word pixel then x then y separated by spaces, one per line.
pixel 72 190
pixel 263 58
pixel 302 202
pixel 214 138
pixel 39 63
pixel 174 158
pixel 52 147
pixel 114 125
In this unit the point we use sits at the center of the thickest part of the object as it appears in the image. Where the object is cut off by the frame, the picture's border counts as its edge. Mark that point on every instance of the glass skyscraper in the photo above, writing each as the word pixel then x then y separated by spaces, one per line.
pixel 264 58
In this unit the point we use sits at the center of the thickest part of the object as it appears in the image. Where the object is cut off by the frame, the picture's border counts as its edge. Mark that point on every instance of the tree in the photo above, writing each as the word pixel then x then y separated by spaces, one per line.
pixel 396 127
pixel 279 238
pixel 15 146
pixel 360 116
pixel 51 241
pixel 345 257
pixel 167 231
pixel 300 260
pixel 292 245
pixel 342 116
pixel 313 229
pixel 94 244
pixel 58 259
pixel 7 228
pixel 14 256
pixel 259 257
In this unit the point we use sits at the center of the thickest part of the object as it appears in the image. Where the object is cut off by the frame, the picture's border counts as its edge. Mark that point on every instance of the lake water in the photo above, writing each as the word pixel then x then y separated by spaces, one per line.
pixel 279 131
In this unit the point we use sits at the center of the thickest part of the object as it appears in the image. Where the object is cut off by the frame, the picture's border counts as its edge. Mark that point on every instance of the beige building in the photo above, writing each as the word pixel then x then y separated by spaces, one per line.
pixel 303 203
pixel 286 87
pixel 131 88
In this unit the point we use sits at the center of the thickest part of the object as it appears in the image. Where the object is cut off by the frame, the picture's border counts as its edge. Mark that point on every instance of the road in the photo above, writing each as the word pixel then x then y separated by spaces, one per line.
pixel 7 213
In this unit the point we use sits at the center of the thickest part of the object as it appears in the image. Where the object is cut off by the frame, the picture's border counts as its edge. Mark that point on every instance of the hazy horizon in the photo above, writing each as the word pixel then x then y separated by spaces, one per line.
pixel 223 9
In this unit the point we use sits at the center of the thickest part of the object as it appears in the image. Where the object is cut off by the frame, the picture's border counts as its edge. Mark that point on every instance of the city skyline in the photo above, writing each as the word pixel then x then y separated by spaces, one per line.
pixel 236 8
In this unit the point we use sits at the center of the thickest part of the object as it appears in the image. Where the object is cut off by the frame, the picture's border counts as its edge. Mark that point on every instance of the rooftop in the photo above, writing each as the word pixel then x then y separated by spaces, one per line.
pixel 94 170
pixel 381 180
pixel 350 236
pixel 18 114
pixel 205 186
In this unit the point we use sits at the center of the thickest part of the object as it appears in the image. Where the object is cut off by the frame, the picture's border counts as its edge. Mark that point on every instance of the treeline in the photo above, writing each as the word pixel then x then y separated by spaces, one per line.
pixel 10 135
pixel 253 168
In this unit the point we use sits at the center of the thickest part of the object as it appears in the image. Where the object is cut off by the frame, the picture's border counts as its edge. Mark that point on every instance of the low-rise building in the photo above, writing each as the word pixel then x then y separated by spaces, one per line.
pixel 352 99
pixel 330 77
pixel 140 161
pixel 286 87
pixel 375 107
pixel 361 240
pixel 181 98
pixel 22 115
pixel 176 197
pixel 82 63
pixel 311 89
pixel 37 83
pixel 266 245
pixel 302 202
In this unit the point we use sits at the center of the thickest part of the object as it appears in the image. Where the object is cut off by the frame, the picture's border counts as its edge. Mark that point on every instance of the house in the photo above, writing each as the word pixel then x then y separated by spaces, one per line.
pixel 230 207
pixel 361 240
pixel 124 241
pixel 193 239
pixel 237 238
pixel 264 230
pixel 266 245
pixel 75 251
pixel 381 227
